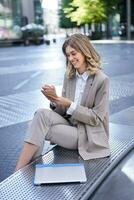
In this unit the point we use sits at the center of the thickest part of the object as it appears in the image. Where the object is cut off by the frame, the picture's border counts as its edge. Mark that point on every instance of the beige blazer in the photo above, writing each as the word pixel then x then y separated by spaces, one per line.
pixel 91 117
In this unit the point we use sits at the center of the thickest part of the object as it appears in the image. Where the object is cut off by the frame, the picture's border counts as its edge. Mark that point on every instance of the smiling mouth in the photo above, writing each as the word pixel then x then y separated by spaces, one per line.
pixel 74 63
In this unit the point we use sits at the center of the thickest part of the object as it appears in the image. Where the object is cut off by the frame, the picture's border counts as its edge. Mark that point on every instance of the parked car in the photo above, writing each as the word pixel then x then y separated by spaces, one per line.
pixel 33 33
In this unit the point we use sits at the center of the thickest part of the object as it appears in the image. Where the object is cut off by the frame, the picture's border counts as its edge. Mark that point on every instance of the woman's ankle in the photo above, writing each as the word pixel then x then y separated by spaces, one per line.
pixel 26 155
pixel 21 163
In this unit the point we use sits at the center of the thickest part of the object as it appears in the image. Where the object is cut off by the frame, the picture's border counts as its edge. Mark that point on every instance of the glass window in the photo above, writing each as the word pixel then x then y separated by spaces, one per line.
pixel 10 19
pixel 38 12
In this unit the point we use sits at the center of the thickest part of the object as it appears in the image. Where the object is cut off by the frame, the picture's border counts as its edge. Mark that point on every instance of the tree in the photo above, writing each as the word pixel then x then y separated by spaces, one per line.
pixel 89 11
pixel 111 8
pixel 65 22
pixel 92 11
pixel 86 11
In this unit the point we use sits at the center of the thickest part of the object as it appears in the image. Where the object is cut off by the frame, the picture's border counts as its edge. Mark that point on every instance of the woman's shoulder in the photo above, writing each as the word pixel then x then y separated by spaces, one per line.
pixel 101 78
pixel 100 75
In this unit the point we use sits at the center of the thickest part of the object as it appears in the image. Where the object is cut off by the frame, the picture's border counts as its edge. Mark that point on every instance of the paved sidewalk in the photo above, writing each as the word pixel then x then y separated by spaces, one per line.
pixel 125 117
pixel 27 69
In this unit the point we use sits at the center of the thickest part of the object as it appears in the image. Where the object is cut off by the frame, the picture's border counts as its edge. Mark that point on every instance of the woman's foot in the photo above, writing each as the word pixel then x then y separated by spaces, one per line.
pixel 26 155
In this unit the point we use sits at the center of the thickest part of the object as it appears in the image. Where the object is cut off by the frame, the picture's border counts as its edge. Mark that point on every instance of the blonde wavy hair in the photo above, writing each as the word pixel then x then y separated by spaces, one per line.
pixel 82 44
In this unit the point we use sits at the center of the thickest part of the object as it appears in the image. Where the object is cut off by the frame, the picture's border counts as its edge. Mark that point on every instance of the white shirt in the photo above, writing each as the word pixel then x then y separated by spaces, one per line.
pixel 80 85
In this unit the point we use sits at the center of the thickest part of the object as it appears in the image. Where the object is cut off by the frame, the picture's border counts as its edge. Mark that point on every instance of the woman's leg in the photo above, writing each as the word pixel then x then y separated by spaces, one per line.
pixel 36 135
pixel 64 135
pixel 26 154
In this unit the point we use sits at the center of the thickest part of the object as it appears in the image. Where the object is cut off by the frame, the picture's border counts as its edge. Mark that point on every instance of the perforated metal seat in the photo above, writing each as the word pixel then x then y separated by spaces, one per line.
pixel 20 185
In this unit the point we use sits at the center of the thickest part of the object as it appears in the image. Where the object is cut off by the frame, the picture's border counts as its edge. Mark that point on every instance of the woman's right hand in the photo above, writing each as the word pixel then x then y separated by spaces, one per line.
pixel 49 92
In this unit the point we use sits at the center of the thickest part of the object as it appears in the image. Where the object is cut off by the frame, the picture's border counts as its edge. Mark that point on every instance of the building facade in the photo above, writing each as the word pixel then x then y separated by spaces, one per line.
pixel 51 18
pixel 126 11
pixel 17 13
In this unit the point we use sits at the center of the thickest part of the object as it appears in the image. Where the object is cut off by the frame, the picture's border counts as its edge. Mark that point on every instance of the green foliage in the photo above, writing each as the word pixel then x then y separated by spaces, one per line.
pixel 110 6
pixel 89 11
pixel 65 22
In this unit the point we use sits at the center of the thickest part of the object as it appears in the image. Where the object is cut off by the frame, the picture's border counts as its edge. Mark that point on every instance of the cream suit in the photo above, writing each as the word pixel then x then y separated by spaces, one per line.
pixel 87 129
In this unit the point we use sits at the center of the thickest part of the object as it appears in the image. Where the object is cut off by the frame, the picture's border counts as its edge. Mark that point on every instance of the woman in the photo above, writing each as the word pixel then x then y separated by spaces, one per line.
pixel 79 118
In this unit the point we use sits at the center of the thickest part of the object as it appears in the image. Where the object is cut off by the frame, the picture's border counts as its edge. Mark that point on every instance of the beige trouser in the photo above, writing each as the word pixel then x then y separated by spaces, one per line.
pixel 48 125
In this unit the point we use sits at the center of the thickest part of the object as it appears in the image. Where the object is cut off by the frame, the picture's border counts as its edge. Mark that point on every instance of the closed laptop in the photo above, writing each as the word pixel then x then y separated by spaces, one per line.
pixel 59 173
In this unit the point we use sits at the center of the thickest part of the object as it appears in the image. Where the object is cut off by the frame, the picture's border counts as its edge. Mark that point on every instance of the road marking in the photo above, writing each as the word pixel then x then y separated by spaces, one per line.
pixel 35 74
pixel 21 84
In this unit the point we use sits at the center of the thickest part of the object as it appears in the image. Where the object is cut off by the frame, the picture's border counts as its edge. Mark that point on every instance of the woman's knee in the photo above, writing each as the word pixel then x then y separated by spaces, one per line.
pixel 63 135
pixel 41 113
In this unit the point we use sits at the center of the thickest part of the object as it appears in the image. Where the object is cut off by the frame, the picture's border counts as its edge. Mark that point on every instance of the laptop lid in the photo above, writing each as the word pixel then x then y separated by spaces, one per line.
pixel 59 173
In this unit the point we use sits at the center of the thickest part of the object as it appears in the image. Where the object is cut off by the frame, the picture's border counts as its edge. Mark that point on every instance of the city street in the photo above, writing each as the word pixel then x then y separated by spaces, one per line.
pixel 23 71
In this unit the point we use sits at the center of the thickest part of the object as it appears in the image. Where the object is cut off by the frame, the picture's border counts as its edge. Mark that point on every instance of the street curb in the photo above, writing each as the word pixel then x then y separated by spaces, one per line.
pixel 113 41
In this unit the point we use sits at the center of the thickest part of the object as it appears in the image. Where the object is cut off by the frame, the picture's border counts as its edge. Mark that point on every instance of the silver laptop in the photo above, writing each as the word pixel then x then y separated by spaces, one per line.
pixel 59 173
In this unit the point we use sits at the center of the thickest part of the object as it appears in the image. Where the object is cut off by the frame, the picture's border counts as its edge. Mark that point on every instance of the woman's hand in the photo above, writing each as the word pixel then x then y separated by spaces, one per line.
pixel 49 92
pixel 62 101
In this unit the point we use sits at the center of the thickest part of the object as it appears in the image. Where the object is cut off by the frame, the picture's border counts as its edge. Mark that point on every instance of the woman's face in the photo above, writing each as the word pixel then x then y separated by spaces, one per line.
pixel 76 59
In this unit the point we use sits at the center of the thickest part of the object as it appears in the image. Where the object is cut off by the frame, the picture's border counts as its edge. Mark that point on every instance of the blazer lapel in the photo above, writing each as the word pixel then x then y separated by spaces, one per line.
pixel 72 89
pixel 88 85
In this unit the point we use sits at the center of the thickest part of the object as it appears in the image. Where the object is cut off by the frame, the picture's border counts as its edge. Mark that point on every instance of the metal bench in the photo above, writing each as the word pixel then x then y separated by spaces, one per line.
pixel 20 184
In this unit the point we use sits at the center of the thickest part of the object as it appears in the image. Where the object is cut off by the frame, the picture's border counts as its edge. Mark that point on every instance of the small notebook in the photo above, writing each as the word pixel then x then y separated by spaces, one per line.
pixel 59 173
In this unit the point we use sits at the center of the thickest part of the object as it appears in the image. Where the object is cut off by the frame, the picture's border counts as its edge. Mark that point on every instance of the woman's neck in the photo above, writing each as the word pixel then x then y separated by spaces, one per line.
pixel 81 71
